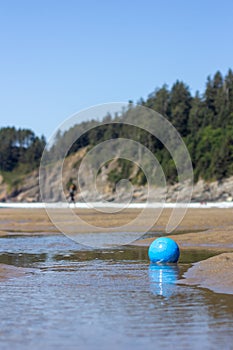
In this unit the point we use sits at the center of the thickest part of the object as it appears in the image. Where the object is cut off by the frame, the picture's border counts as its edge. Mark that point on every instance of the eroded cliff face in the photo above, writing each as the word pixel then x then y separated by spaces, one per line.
pixel 3 189
pixel 27 190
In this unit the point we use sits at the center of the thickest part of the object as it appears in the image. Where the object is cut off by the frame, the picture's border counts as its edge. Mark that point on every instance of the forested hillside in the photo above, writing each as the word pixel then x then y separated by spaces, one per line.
pixel 205 121
pixel 20 153
pixel 20 148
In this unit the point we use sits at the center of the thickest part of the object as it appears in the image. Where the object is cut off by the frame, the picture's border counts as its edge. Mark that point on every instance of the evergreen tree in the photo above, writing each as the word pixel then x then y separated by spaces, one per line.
pixel 180 106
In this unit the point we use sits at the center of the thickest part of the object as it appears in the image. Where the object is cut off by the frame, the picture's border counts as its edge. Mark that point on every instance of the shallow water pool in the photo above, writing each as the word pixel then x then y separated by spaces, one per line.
pixel 74 298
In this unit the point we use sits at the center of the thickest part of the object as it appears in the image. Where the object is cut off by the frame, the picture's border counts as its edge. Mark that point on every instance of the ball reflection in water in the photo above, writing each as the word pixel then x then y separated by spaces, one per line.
pixel 163 279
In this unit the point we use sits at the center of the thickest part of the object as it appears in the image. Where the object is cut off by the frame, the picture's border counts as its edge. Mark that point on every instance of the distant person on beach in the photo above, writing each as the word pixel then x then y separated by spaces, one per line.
pixel 72 192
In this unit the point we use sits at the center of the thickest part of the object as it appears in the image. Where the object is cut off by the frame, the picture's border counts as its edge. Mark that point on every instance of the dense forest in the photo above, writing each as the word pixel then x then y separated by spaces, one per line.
pixel 205 122
pixel 20 149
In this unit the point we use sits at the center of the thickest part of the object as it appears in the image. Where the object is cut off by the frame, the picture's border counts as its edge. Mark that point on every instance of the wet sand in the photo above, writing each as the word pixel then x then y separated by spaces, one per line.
pixel 214 273
pixel 31 221
pixel 9 271
pixel 200 229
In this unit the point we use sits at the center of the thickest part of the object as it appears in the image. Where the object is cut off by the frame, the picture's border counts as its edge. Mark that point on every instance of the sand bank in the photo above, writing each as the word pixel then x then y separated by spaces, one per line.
pixel 214 273
pixel 34 221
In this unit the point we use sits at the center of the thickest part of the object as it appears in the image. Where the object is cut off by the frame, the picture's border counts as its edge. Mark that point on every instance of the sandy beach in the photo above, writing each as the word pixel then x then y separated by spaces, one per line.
pixel 208 229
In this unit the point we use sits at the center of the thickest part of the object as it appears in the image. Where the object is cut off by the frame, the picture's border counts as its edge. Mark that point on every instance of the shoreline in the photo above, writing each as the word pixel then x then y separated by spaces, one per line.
pixel 108 204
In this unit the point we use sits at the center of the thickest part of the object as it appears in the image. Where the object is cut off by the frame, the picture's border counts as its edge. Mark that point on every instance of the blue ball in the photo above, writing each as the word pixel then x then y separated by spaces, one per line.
pixel 164 250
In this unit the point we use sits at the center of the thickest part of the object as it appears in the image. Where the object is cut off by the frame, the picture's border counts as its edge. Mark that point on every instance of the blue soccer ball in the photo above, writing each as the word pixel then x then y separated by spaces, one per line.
pixel 164 250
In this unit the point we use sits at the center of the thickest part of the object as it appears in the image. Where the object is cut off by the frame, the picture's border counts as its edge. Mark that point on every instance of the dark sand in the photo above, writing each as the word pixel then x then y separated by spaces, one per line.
pixel 200 229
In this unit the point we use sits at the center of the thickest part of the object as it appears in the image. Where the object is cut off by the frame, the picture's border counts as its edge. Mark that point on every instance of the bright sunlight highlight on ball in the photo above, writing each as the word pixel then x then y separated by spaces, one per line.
pixel 164 250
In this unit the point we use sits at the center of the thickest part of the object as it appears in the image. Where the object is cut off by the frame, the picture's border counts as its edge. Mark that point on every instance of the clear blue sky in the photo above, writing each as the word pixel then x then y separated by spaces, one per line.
pixel 60 56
